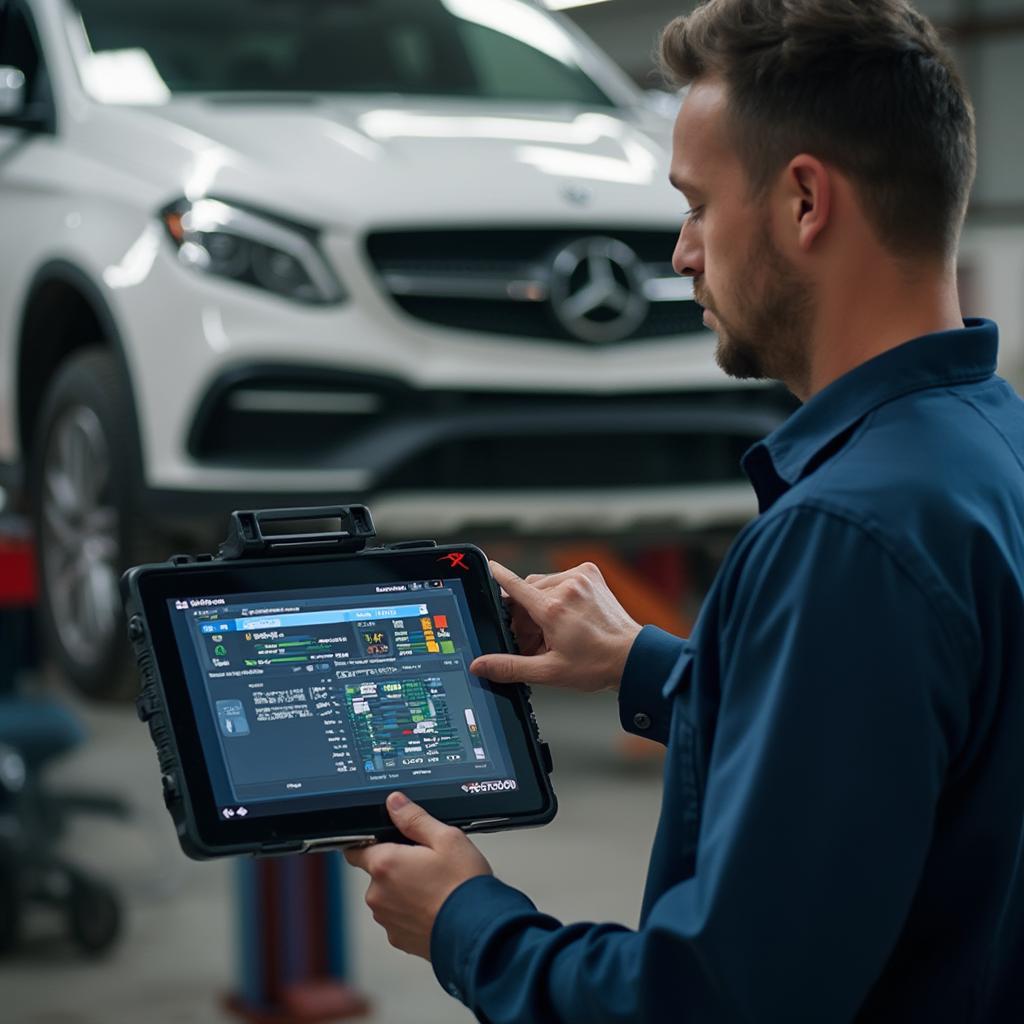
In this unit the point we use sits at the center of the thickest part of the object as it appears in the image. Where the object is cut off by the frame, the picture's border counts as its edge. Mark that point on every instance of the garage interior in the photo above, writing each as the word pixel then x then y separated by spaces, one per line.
pixel 178 955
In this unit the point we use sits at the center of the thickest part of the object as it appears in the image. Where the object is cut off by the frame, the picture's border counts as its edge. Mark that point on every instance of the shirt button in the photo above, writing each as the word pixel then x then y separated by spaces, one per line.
pixel 642 721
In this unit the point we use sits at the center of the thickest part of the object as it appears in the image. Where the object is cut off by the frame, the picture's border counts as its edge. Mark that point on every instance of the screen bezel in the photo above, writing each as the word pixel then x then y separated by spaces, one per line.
pixel 157 585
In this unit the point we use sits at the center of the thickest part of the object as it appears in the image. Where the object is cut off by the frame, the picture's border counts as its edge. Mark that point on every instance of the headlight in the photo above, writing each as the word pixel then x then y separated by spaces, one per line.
pixel 230 242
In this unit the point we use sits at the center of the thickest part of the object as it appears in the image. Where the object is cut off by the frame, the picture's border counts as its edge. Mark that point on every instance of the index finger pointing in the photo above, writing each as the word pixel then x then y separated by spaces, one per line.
pixel 518 589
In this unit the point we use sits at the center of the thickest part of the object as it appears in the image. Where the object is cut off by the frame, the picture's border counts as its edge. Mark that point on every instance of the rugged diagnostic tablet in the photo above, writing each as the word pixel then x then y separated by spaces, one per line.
pixel 296 679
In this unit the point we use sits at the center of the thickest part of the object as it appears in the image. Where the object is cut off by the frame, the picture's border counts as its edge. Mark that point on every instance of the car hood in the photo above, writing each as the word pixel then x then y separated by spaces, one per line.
pixel 353 163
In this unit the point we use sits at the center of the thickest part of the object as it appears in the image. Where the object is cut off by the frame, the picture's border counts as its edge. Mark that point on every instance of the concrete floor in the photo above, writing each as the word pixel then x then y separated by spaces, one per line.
pixel 176 960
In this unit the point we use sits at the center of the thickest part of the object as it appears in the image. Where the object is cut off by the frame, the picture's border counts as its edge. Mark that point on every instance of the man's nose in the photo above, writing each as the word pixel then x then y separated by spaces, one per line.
pixel 688 258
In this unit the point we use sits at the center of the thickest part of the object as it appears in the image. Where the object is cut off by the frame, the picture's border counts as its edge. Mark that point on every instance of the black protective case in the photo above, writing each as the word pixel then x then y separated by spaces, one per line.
pixel 245 541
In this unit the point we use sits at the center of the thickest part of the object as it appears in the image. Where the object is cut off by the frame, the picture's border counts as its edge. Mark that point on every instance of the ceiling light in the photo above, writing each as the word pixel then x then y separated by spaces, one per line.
pixel 520 21
pixel 564 5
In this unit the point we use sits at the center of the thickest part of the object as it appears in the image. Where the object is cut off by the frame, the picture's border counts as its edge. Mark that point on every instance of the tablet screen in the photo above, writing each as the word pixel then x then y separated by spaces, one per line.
pixel 303 697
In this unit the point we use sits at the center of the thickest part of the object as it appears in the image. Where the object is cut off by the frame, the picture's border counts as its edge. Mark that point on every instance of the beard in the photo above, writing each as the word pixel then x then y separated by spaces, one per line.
pixel 767 335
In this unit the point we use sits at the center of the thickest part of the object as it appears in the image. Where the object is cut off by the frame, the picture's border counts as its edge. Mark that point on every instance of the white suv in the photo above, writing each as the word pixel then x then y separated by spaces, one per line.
pixel 283 252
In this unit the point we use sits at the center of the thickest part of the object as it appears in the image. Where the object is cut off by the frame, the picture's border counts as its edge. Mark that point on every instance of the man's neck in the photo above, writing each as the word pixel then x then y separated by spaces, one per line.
pixel 855 326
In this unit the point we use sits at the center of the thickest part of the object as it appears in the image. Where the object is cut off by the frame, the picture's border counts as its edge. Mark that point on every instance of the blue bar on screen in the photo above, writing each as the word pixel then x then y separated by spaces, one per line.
pixel 315 618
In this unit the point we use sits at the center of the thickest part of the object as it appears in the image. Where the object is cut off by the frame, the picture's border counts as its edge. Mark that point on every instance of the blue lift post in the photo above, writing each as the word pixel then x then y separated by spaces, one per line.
pixel 292 949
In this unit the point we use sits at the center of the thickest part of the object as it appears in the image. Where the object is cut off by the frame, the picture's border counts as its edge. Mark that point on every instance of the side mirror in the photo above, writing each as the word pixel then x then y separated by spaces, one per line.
pixel 12 92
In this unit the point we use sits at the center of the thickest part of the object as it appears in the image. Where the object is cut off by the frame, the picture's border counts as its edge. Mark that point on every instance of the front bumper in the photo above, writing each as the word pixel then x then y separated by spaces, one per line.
pixel 245 400
pixel 442 461
pixel 378 433
pixel 599 513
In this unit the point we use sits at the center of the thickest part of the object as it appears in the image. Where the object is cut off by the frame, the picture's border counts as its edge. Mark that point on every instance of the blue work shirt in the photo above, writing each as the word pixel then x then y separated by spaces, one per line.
pixel 841 829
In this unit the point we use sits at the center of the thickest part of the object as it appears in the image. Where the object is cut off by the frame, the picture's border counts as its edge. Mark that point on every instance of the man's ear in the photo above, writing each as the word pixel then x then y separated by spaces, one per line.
pixel 808 184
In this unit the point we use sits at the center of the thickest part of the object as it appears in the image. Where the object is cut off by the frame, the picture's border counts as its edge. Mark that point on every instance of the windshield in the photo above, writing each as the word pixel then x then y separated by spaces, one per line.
pixel 145 51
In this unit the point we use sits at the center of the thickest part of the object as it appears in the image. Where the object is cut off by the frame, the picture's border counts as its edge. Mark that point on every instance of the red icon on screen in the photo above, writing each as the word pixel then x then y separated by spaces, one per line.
pixel 457 560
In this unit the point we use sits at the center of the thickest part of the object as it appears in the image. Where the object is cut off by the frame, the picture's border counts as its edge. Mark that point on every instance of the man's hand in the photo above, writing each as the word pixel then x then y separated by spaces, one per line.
pixel 410 883
pixel 570 627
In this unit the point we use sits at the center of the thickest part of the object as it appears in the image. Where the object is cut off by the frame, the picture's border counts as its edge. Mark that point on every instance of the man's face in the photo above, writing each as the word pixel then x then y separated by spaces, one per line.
pixel 755 300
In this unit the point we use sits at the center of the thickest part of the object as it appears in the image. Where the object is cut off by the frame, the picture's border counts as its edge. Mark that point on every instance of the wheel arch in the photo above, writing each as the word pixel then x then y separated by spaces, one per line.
pixel 65 312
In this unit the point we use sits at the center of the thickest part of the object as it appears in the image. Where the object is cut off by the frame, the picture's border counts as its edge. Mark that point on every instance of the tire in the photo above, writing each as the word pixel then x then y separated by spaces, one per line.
pixel 94 915
pixel 84 487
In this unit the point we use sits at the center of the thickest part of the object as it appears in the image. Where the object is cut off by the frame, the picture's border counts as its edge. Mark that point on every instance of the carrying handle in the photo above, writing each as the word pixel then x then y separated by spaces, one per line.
pixel 278 531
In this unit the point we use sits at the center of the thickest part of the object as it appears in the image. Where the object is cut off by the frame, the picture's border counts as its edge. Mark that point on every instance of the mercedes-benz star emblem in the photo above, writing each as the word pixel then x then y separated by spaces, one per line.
pixel 597 289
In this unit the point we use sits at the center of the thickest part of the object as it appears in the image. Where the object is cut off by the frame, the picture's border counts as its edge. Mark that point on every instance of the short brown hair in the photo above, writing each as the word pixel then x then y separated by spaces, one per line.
pixel 866 85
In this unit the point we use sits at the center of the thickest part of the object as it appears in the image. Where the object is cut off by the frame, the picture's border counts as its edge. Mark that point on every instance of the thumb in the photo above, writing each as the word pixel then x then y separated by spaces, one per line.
pixel 510 668
pixel 413 822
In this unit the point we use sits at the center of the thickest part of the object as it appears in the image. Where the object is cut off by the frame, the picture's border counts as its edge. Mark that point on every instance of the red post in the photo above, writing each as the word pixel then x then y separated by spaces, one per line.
pixel 292 953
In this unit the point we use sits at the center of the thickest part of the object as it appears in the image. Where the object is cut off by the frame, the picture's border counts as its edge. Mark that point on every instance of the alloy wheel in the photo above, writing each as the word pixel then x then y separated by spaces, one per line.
pixel 79 535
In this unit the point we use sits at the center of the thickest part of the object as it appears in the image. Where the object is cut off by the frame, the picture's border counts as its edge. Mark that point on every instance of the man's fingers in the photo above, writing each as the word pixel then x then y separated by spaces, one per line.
pixel 519 590
pixel 359 857
pixel 529 644
pixel 413 822
pixel 524 628
pixel 546 581
pixel 512 668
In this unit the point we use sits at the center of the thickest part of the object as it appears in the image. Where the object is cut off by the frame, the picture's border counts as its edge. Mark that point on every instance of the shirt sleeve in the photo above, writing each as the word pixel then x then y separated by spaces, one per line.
pixel 843 693
pixel 652 658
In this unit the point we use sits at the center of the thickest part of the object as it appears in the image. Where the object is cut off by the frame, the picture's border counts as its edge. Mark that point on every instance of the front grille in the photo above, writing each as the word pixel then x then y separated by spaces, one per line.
pixel 468 246
pixel 521 320
pixel 501 281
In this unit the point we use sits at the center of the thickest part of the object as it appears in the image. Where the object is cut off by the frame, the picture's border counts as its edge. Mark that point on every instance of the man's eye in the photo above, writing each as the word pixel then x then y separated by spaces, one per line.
pixel 693 215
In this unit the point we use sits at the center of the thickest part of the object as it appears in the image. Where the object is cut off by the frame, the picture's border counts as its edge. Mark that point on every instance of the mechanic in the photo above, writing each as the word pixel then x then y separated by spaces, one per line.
pixel 841 830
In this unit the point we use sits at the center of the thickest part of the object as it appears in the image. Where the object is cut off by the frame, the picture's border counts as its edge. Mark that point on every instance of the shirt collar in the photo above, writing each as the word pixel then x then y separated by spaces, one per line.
pixel 935 360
